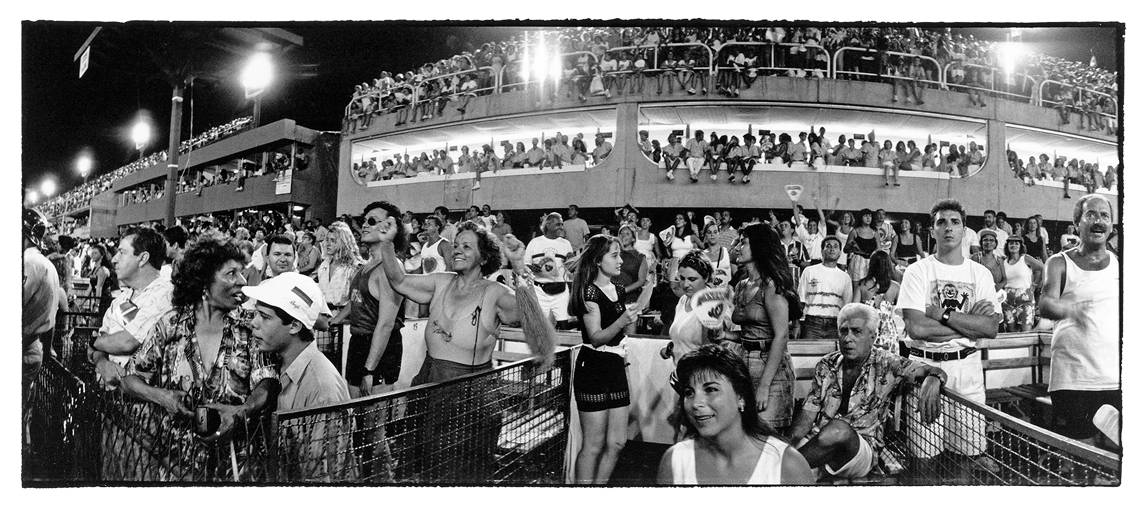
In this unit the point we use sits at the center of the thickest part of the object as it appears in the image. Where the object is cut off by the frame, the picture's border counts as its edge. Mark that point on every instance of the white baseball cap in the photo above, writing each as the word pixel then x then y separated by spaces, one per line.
pixel 296 294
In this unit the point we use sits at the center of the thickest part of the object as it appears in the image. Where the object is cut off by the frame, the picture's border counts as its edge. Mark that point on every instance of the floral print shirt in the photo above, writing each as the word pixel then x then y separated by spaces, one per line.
pixel 172 359
pixel 871 396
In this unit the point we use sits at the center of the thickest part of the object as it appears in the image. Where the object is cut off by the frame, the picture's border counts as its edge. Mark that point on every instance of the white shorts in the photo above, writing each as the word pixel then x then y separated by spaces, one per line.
pixel 958 428
pixel 859 465
pixel 558 305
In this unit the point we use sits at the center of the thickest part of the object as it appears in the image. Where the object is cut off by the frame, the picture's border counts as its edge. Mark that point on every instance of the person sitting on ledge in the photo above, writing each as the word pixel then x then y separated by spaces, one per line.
pixel 840 426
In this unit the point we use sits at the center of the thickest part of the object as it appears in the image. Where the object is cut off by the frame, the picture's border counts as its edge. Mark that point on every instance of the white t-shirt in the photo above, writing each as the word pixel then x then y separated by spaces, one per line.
pixel 686 332
pixel 812 242
pixel 550 255
pixel 824 290
pixel 929 281
pixel 969 238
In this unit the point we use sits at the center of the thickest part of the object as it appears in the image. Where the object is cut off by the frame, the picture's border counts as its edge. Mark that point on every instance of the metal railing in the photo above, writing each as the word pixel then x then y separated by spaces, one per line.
pixel 508 425
pixel 972 444
pixel 1032 98
pixel 771 66
pixel 378 95
pixel 838 67
pixel 1081 92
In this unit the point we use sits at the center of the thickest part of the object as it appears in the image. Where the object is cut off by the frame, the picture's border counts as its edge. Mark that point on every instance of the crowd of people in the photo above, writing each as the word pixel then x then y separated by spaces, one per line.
pixel 1069 170
pixel 904 299
pixel 607 61
pixel 553 153
pixel 812 149
pixel 80 196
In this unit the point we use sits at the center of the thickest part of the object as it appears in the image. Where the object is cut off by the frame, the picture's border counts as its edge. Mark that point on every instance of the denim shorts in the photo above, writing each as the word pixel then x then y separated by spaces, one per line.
pixel 778 412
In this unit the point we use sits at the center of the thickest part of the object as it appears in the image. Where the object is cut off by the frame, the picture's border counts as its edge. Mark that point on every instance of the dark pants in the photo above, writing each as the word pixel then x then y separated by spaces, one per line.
pixel 1073 410
pixel 818 327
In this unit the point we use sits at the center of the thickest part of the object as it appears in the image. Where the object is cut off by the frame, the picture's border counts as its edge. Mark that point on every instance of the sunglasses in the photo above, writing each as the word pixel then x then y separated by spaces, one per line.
pixel 370 221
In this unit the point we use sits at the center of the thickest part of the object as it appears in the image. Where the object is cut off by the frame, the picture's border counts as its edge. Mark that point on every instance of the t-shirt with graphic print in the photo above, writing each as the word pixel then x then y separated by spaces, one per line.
pixel 548 255
pixel 958 287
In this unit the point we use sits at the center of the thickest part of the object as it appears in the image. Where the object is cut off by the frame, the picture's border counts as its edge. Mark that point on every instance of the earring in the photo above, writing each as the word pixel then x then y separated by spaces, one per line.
pixel 740 407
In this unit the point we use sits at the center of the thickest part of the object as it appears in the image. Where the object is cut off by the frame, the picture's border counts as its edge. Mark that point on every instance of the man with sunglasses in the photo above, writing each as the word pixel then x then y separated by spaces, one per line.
pixel 130 320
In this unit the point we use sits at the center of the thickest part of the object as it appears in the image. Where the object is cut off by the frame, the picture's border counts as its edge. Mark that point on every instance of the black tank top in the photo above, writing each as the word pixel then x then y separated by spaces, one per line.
pixel 610 311
pixel 1035 249
pixel 866 246
pixel 365 307
pixel 907 250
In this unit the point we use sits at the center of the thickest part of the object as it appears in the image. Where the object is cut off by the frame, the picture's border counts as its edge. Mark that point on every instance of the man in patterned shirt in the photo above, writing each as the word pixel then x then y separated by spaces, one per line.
pixel 840 426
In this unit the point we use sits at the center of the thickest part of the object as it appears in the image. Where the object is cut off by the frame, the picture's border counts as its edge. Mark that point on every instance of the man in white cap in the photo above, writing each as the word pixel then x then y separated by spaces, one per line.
pixel 287 308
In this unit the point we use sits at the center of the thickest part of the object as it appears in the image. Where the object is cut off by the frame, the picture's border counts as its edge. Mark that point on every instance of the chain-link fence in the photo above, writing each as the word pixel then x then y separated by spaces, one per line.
pixel 504 426
pixel 60 439
pixel 972 444
pixel 331 343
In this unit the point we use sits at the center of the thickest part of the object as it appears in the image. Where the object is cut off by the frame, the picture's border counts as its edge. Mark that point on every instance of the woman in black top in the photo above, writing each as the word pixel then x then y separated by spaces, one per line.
pixel 903 253
pixel 103 280
pixel 861 242
pixel 601 388
pixel 1034 243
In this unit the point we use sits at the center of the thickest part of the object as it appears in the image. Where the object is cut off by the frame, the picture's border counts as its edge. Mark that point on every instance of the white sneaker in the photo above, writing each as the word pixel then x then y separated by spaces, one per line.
pixel 475 186
pixel 713 177
pixel 669 175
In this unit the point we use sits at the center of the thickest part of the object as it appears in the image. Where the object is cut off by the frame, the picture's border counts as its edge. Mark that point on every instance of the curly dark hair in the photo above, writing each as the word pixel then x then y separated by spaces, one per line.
pixel 201 261
pixel 489 247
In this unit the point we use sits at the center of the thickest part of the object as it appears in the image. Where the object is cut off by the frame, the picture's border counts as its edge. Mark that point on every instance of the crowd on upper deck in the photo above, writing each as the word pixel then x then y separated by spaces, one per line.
pixel 668 55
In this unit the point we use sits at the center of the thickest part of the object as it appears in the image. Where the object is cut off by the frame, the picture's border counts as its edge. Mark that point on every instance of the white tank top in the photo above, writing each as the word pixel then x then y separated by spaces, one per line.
pixel 681 246
pixel 767 472
pixel 1018 275
pixel 432 252
pixel 1088 359
pixel 687 333
pixel 644 247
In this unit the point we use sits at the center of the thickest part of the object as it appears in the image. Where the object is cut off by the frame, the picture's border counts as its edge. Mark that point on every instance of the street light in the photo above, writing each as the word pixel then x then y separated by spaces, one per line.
pixel 47 187
pixel 83 165
pixel 140 135
pixel 33 196
pixel 255 78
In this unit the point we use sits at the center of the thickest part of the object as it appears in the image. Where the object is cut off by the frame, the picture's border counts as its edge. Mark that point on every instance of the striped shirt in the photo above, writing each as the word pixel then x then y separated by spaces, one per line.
pixel 824 290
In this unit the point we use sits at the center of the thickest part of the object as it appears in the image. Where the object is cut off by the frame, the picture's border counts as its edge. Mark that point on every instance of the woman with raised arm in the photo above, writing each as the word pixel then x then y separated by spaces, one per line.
pixel 466 309
pixel 765 303
pixel 726 442
pixel 601 388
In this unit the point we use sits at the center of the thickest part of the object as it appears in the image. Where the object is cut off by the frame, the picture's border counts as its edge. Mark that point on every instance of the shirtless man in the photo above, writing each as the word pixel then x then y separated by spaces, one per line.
pixel 1082 294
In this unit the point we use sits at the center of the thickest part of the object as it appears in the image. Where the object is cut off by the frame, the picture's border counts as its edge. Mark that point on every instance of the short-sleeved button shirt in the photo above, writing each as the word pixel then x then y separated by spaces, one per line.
pixel 137 311
pixel 172 359
pixel 871 396
pixel 310 381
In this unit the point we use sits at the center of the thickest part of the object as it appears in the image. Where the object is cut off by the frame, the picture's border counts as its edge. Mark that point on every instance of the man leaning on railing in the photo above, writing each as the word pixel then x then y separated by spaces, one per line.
pixel 840 426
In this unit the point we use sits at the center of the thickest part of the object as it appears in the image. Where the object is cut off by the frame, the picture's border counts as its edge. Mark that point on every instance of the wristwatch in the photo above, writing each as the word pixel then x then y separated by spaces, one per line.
pixel 946 316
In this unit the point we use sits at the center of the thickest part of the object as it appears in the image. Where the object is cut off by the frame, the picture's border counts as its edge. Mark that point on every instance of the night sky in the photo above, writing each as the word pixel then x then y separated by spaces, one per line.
pixel 63 115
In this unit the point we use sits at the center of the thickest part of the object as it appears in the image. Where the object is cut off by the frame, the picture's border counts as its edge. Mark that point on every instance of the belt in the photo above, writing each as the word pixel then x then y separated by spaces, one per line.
pixel 756 345
pixel 934 355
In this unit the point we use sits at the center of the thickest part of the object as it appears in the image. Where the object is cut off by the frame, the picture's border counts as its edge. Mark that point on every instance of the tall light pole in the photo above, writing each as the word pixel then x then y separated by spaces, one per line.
pixel 48 187
pixel 140 135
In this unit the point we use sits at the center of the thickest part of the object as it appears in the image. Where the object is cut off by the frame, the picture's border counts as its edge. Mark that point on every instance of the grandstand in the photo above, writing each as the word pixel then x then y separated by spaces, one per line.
pixel 403 138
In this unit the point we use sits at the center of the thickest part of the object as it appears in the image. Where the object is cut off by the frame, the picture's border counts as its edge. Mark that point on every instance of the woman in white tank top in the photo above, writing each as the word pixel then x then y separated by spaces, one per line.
pixel 687 333
pixel 1023 275
pixel 726 443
